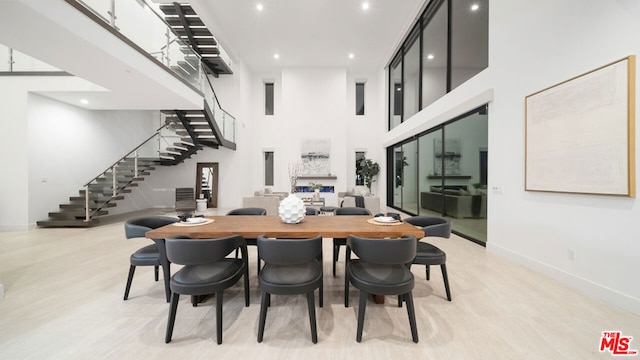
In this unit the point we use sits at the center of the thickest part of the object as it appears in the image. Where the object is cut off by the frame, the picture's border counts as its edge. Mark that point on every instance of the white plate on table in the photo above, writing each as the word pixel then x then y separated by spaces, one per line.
pixel 195 220
pixel 384 219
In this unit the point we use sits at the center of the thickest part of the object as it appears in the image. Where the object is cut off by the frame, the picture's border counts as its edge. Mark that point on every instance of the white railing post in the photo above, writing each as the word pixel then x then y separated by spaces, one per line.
pixel 112 13
pixel 168 36
pixel 135 163
pixel 114 185
pixel 86 203
pixel 11 60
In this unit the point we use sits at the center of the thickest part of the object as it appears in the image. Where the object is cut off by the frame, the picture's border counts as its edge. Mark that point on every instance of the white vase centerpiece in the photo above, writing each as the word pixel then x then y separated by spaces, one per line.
pixel 292 209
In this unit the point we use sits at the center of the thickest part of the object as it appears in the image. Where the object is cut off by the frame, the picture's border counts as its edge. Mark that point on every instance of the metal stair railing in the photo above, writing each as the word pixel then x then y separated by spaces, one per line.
pixel 226 122
pixel 148 147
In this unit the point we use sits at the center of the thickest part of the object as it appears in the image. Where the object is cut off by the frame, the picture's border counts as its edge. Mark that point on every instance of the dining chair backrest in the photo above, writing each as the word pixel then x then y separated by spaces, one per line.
pixel 352 211
pixel 185 251
pixel 248 211
pixel 384 251
pixel 137 227
pixel 289 251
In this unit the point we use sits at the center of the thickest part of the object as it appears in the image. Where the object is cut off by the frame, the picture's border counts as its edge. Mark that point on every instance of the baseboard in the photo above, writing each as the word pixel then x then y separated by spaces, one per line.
pixel 586 286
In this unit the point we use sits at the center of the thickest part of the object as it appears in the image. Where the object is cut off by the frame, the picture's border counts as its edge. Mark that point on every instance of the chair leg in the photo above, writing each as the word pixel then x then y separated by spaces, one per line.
pixel 336 254
pixel 166 273
pixel 219 316
pixel 155 268
pixel 246 287
pixel 346 286
pixel 132 270
pixel 400 297
pixel 173 308
pixel 446 280
pixel 312 316
pixel 361 309
pixel 321 293
pixel 427 272
pixel 412 316
pixel 263 316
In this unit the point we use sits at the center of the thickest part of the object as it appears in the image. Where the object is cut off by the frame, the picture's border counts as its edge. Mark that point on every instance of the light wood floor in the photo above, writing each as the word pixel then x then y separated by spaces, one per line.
pixel 64 288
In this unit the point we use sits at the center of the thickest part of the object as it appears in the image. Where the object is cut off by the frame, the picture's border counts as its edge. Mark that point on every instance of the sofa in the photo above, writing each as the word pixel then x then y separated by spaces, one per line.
pixel 458 201
pixel 267 200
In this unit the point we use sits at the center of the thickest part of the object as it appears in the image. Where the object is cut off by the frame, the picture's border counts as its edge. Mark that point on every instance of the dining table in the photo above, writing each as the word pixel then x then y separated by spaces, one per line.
pixel 273 227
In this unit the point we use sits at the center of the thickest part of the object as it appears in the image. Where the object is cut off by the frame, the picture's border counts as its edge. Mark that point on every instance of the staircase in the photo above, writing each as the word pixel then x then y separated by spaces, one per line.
pixel 183 134
pixel 192 31
pixel 189 131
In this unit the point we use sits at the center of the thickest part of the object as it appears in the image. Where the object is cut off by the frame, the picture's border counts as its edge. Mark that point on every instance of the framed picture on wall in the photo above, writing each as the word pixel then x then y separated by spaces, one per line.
pixel 579 134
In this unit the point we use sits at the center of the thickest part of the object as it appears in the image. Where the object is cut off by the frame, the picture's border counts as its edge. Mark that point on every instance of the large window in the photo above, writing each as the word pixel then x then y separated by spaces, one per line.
pixel 360 155
pixel 268 98
pixel 268 168
pixel 434 56
pixel 446 47
pixel 359 98
pixel 469 39
pixel 444 172
pixel 411 76
pixel 395 92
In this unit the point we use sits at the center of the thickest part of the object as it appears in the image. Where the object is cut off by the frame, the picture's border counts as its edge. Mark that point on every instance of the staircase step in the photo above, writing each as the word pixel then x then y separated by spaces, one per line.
pixel 121 191
pixel 73 214
pixel 80 206
pixel 98 199
pixel 68 223
pixel 171 10
pixel 191 21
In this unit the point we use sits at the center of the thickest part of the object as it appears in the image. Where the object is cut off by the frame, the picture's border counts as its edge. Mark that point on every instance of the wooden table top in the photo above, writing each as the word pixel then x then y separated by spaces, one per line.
pixel 271 226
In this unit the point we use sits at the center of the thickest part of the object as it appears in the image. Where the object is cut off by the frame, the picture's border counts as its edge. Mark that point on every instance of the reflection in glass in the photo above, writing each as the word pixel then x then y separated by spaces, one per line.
pixel 430 201
pixel 444 173
pixel 434 57
pixel 411 90
pixel 469 40
pixel 409 170
pixel 395 93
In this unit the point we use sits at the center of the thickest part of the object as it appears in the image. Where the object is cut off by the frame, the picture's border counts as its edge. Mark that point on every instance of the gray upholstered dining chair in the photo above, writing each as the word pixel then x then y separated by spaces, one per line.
pixel 382 268
pixel 311 211
pixel 428 254
pixel 249 211
pixel 150 255
pixel 292 266
pixel 207 270
pixel 340 241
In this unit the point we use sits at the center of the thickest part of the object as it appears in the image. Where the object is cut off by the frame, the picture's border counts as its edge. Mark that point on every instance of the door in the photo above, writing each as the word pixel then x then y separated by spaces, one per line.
pixel 207 183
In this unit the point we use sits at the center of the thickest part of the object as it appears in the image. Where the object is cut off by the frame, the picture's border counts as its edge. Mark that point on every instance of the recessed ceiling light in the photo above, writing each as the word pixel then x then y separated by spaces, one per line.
pixel 259 7
pixel 365 6
pixel 84 101
pixel 475 7
pixel 430 56
pixel 351 56
pixel 276 56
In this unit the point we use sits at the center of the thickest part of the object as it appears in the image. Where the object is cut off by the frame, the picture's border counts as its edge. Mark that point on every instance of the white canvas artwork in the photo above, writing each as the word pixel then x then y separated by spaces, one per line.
pixel 316 157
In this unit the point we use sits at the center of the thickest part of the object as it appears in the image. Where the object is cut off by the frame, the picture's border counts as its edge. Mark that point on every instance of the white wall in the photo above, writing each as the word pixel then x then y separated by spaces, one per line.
pixel 534 45
pixel 313 103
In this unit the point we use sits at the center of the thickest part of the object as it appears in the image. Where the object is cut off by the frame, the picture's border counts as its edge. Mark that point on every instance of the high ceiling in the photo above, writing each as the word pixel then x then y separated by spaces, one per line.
pixel 318 33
